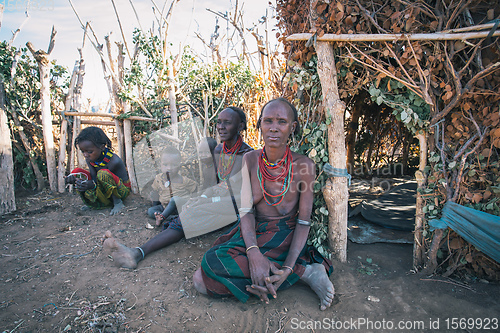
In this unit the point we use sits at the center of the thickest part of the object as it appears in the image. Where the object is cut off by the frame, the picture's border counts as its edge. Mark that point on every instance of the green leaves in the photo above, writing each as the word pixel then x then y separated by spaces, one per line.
pixel 313 143
pixel 407 106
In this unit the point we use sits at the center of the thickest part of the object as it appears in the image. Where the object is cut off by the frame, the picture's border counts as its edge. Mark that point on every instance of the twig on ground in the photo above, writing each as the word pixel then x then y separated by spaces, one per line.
pixel 26 269
pixel 72 296
pixel 26 240
pixel 130 308
pixel 458 284
pixel 76 255
pixel 22 321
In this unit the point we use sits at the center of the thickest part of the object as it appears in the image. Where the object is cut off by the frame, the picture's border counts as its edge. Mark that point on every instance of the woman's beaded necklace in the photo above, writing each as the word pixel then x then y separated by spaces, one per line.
pixel 225 166
pixel 103 159
pixel 285 176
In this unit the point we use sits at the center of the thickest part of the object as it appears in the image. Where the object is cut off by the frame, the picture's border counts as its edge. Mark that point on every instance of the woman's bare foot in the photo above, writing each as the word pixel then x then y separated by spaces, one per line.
pixel 315 276
pixel 125 257
pixel 198 283
pixel 159 219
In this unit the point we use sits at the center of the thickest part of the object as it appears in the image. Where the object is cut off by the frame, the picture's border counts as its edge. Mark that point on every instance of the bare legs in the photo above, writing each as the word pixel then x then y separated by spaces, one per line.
pixel 315 276
pixel 128 257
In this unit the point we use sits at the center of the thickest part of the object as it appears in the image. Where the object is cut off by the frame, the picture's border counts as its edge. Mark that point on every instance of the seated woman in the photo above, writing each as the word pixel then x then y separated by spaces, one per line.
pixel 267 251
pixel 230 123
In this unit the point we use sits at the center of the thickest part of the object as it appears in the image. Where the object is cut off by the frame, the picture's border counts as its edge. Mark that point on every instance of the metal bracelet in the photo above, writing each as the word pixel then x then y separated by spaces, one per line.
pixel 246 210
pixel 251 247
pixel 302 222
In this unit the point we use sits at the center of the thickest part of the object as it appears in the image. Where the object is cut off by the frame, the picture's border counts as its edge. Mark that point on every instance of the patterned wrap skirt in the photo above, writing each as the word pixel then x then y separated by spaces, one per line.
pixel 225 267
pixel 107 184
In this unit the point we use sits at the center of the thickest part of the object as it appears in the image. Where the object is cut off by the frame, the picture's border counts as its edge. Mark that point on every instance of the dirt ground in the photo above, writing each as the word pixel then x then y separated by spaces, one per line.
pixel 56 278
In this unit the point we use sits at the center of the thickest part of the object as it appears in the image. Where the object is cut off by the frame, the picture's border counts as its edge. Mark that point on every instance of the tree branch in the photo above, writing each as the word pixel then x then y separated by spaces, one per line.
pixel 488 70
pixel 368 16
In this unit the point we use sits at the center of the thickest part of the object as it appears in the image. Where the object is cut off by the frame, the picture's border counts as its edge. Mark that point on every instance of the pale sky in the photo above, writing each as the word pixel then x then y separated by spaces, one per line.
pixel 190 16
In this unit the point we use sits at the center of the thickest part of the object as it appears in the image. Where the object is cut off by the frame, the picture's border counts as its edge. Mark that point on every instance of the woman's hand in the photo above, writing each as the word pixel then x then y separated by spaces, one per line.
pixel 272 283
pixel 279 276
pixel 260 268
pixel 84 185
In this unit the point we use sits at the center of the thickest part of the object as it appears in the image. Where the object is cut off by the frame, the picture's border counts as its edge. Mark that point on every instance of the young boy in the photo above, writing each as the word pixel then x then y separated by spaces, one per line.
pixel 169 183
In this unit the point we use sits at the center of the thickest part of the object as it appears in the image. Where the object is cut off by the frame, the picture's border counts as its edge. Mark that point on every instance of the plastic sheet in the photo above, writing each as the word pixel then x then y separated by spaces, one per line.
pixel 478 228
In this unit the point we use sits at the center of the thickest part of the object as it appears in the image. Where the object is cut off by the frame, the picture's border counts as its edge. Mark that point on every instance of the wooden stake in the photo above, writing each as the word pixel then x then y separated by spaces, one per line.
pixel 171 97
pixel 42 58
pixel 335 192
pixel 418 244
pixel 61 169
pixel 77 100
pixel 127 131
pixel 7 195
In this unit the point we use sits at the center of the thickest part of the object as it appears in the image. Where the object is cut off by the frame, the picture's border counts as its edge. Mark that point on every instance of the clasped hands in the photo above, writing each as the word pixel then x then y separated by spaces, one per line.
pixel 81 185
pixel 266 277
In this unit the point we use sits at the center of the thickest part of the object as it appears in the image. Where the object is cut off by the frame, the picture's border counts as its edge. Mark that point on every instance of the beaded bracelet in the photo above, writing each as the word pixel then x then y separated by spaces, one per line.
pixel 251 247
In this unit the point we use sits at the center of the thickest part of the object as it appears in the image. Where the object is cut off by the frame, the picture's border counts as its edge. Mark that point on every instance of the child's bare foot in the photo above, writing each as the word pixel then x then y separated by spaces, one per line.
pixel 159 219
pixel 125 257
pixel 118 206
pixel 315 276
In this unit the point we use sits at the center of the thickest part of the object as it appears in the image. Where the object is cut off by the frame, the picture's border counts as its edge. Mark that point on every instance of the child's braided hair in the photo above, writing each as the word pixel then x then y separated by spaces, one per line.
pixel 94 135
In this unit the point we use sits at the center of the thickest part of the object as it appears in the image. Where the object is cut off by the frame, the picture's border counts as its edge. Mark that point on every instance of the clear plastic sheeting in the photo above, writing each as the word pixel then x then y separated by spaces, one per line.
pixel 478 228
pixel 147 153
pixel 212 205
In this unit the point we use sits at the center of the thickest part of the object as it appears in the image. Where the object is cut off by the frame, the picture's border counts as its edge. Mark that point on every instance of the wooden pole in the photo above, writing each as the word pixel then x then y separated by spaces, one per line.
pixel 127 131
pixel 391 37
pixel 122 151
pixel 61 168
pixel 64 133
pixel 171 97
pixel 105 115
pixel 97 122
pixel 7 194
pixel 335 192
pixel 418 245
pixel 77 100
pixel 44 65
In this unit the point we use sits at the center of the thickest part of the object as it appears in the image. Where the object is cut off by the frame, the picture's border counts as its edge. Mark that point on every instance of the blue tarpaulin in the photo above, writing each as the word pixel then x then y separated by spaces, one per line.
pixel 478 228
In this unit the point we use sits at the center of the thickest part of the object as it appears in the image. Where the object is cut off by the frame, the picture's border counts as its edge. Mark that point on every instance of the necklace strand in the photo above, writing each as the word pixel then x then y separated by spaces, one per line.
pixel 285 176
pixel 103 159
pixel 225 166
